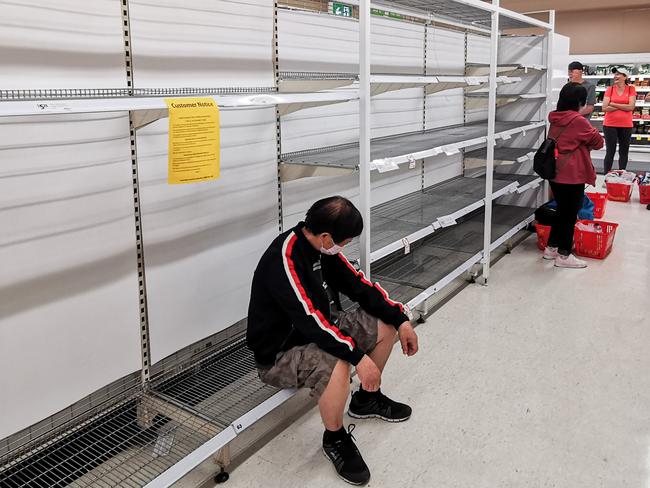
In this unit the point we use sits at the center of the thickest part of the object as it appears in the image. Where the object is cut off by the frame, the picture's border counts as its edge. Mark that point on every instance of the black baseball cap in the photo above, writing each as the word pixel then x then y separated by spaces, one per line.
pixel 577 65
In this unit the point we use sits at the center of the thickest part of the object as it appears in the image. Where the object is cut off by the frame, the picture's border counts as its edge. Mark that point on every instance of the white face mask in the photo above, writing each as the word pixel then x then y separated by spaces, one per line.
pixel 332 251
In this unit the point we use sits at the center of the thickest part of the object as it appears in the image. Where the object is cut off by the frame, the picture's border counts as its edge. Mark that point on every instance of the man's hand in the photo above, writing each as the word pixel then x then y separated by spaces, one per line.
pixel 408 338
pixel 369 374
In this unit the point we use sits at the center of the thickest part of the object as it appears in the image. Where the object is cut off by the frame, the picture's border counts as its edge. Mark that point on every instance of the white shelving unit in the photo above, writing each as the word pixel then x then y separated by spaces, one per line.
pixel 436 152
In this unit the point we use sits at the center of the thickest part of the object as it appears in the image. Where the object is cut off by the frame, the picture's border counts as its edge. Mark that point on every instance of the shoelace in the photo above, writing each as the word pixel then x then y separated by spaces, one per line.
pixel 351 428
pixel 346 445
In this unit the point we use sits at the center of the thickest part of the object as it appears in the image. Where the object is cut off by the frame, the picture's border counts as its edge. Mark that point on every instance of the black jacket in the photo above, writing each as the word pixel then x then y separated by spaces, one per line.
pixel 290 305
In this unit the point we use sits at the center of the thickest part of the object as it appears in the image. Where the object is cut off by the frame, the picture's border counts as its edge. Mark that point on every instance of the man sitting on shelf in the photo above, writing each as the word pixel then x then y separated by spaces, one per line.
pixel 576 71
pixel 301 337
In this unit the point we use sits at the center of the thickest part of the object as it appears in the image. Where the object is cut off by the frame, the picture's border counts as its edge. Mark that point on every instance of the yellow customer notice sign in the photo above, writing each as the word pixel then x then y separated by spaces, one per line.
pixel 194 148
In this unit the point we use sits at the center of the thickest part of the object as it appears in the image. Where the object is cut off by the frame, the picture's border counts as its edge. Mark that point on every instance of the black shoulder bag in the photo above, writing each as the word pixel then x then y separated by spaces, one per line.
pixel 545 160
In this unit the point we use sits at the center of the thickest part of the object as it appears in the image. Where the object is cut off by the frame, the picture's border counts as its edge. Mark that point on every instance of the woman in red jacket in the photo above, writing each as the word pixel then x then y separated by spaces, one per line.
pixel 575 138
pixel 618 105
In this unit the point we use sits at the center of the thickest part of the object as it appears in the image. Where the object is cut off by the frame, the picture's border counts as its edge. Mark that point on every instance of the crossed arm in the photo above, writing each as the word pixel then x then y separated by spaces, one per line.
pixel 609 106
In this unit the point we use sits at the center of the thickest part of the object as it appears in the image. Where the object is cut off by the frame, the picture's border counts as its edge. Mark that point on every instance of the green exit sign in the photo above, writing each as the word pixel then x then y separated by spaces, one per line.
pixel 340 9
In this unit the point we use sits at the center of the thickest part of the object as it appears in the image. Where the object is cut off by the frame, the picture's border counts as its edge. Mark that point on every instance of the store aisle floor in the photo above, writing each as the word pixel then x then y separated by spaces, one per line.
pixel 540 380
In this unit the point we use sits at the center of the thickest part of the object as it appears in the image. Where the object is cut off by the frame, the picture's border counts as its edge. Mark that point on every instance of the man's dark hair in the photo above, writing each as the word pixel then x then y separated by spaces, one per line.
pixel 572 97
pixel 336 216
pixel 576 65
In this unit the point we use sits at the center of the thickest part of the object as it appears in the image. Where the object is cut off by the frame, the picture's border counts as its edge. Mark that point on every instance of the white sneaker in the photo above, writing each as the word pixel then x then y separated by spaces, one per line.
pixel 569 261
pixel 550 253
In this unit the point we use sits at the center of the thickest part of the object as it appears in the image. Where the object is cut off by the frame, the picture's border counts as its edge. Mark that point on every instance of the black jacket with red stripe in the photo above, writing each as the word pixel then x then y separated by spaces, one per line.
pixel 290 305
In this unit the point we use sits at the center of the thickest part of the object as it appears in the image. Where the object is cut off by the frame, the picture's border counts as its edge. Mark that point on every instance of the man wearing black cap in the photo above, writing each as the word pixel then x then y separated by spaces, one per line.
pixel 575 75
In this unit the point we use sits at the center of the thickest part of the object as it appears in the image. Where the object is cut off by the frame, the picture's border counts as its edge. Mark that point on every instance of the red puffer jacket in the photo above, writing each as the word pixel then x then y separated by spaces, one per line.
pixel 574 144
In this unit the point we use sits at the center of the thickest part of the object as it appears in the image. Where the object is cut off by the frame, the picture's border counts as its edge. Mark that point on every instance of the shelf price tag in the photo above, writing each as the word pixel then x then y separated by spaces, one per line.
pixel 194 140
pixel 53 107
pixel 411 160
pixel 451 150
pixel 407 246
pixel 447 221
pixel 384 165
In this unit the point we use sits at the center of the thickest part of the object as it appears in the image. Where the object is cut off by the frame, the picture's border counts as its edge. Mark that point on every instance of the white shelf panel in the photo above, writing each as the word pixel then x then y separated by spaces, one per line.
pixel 483 69
pixel 477 100
pixel 472 13
pixel 302 82
pixel 150 109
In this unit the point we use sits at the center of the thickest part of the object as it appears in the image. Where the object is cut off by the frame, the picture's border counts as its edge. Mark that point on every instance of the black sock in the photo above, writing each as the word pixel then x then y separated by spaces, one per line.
pixel 364 395
pixel 333 435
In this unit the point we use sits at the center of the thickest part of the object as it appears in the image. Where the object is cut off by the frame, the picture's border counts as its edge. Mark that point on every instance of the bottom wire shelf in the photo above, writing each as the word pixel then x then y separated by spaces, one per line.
pixel 133 442
pixel 221 388
pixel 115 449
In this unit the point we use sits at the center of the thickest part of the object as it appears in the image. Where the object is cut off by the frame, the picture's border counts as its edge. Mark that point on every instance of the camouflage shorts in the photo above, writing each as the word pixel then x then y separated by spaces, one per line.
pixel 309 366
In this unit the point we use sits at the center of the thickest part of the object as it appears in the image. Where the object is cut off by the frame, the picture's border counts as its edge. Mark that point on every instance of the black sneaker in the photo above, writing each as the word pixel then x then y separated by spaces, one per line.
pixel 366 405
pixel 346 458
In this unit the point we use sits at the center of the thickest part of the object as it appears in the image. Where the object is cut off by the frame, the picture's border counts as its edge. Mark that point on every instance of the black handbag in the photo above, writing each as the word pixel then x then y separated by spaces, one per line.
pixel 545 160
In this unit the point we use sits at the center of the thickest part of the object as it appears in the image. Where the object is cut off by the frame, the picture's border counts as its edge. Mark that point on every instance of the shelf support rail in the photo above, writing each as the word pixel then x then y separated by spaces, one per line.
pixel 491 141
pixel 549 89
pixel 364 131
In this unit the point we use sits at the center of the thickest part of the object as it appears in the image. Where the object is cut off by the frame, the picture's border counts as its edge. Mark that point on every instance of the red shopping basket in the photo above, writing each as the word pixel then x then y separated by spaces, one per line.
pixel 595 244
pixel 619 192
pixel 543 233
pixel 644 194
pixel 600 202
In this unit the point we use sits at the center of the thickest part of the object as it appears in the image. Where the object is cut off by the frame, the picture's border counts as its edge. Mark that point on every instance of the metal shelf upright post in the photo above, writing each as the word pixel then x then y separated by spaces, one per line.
pixel 364 130
pixel 491 141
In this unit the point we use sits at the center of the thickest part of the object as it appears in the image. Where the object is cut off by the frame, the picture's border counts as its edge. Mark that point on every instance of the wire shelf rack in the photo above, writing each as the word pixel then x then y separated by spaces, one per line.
pixel 113 449
pixel 513 154
pixel 406 215
pixel 221 388
pixel 436 256
pixel 347 156
pixel 87 93
pixel 424 265
pixel 133 441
